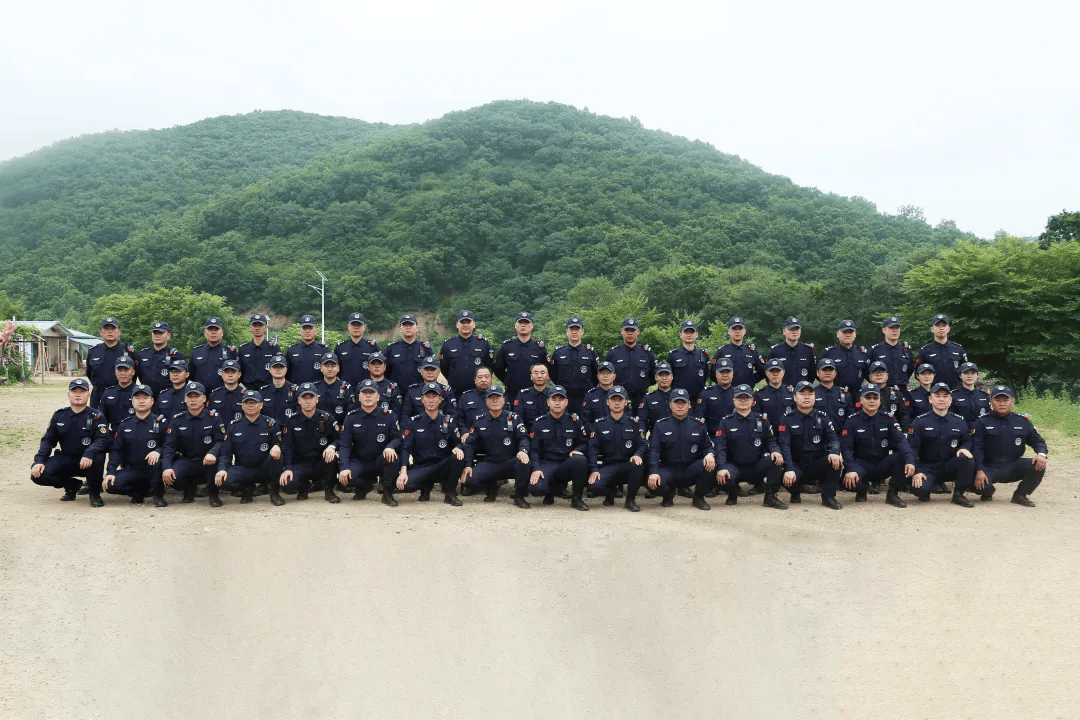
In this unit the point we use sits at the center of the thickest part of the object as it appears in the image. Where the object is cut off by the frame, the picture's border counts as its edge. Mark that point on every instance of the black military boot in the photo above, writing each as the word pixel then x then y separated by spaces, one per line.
pixel 631 502
pixel 302 491
pixel 262 489
pixel 893 498
pixel 451 498
pixel 95 498
pixel 732 497
pixel 159 497
pixel 669 499
pixel 831 503
pixel 329 494
pixel 609 498
pixel 213 495
pixel 492 492
pixel 521 502
pixel 388 499
pixel 247 495
pixel 275 494
pixel 137 498
pixel 860 495
pixel 425 494
pixel 875 488
pixel 189 493
pixel 772 501
pixel 1021 499
pixel 959 499
pixel 578 504
pixel 70 492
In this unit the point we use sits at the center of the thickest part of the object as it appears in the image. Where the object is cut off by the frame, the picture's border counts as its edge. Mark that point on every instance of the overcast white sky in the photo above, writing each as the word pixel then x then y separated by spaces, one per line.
pixel 969 110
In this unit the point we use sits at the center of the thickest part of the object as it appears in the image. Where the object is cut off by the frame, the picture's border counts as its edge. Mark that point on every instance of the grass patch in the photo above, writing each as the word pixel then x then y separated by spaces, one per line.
pixel 1051 411
pixel 13 439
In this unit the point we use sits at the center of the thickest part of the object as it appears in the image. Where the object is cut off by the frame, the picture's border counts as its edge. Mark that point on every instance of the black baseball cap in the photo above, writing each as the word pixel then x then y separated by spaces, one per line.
pixel 306 389
pixel 79 384
pixel 178 364
pixel 258 319
pixel 214 322
pixel 367 384
pixel 377 357
pixel 792 322
pixel 940 319
pixel 1001 391
pixel 141 389
pixel 230 365
pixel 688 325
pixel 845 325
pixel 575 322
pixel 735 322
pixel 524 316
pixel 428 363
pixel 494 390
pixel 877 365
pixel 252 396
pixel 609 367
pixel 869 390
pixel 618 391
pixel 826 362
pixel 940 386
pixel 357 318
pixel 743 391
pixel 279 360
pixel 723 364
pixel 804 385
pixel 679 395
pixel 557 390
pixel 924 367
pixel 774 364
pixel 194 388
pixel 160 327
pixel 662 367
pixel 110 321
pixel 964 367
pixel 407 318
pixel 891 321
pixel 630 323
pixel 329 358
pixel 432 387
pixel 308 321
pixel 466 315
pixel 125 361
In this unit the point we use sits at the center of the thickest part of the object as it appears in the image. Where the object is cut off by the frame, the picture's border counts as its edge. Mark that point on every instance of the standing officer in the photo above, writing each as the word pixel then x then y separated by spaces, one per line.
pixel 618 441
pixel 207 359
pixel 557 447
pixel 170 401
pixel 798 357
pixel 941 443
pixel 634 364
pixel 368 446
pixel 116 400
pixel 893 398
pixel 898 357
pixel 404 356
pixel 250 456
pixel 82 434
pixel 354 352
pixel 473 403
pixel 717 401
pixel 773 400
pixel 689 363
pixel 970 402
pixel 595 405
pixel 810 447
pixel 680 454
pixel 335 394
pixel 193 442
pixel 414 397
pixel 574 365
pixel 531 403
pixel 849 359
pixel 305 357
pixel 919 398
pixel 656 404
pixel 745 360
pixel 873 447
pixel 309 448
pixel 495 436
pixel 255 355
pixel 432 441
pixel 517 356
pixel 228 399
pixel 460 356
pixel 135 451
pixel 832 399
pixel 746 451
pixel 279 395
pixel 945 355
pixel 389 391
pixel 101 359
pixel 998 447
pixel 153 362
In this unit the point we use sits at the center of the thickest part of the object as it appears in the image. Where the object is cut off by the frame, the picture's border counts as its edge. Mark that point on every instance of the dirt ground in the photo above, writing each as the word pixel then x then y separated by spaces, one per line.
pixel 355 610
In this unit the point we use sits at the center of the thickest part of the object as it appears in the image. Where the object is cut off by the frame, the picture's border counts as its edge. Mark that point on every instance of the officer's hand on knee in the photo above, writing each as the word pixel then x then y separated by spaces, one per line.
pixel 344 476
pixel 329 454
pixel 723 475
pixel 1040 462
pixel 917 480
pixel 389 455
pixel 980 479
pixel 220 477
pixel 152 457
pixel 851 480
pixel 105 483
pixel 535 477
pixel 523 458
pixel 209 460
pixel 458 453
pixel 275 452
pixel 85 463
pixel 777 458
pixel 789 477
pixel 402 479
pixel 835 460
pixel 964 452
pixel 909 470
pixel 286 477
pixel 710 462
pixel 654 480
pixel 466 474
pixel 593 477
pixel 635 459
pixel 168 477
pixel 36 470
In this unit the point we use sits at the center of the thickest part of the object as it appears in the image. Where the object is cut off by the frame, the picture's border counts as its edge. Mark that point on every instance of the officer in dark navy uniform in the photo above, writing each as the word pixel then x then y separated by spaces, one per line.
pixel 998 447
pixel 893 397
pixel 849 359
pixel 919 398
pixel 745 359
pixel 309 448
pixel 689 363
pixel 573 365
pixel 473 403
pixel 681 454
pixel 335 395
pixel 656 404
pixel 774 399
pixel 414 397
pixel 368 445
pixel 205 361
pixel 798 357
pixel 517 355
pixel 747 451
pixel 227 399
pixel 531 403
pixel 717 401
pixel 461 355
pixel 873 446
pixel 496 449
pixel 153 363
pixel 945 355
pixel 354 352
pixel 970 402
pixel 595 404
pixel 404 356
pixel 135 451
pixel 941 442
pixel 389 391
pixel 101 359
pixel 616 452
pixel 83 435
pixel 811 448
pixel 170 401
pixel 193 442
pixel 898 357
pixel 635 364
pixel 279 395
pixel 116 401
pixel 255 355
pixel 432 440
pixel 831 398
pixel 305 357
pixel 557 445
pixel 250 455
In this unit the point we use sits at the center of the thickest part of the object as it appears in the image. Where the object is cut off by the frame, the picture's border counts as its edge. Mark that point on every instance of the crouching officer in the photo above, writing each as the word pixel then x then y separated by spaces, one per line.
pixel 940 441
pixel 998 446
pixel 680 454
pixel 501 439
pixel 873 447
pixel 82 433
pixel 432 441
pixel 746 451
pixel 334 393
pixel 170 401
pixel 251 454
pixel 619 441
pixel 810 447
pixel 134 468
pixel 557 447
pixel 192 444
pixel 368 445
pixel 309 448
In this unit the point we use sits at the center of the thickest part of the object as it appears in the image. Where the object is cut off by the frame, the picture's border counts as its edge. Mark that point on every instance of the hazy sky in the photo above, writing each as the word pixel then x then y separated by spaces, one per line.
pixel 969 110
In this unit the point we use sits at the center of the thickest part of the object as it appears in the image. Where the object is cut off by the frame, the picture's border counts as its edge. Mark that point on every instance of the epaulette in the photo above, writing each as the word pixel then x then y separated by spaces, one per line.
pixel 613 347
pixel 147 348
pixel 671 351
pixel 508 340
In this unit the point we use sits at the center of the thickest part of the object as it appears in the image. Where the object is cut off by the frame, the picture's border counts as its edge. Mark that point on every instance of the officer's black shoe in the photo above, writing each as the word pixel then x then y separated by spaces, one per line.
pixel 95 500
pixel 136 499
pixel 189 495
pixel 1021 499
pixel 831 503
pixel 467 491
pixel 685 492
pixel 772 501
pixel 669 500
pixel 860 496
pixel 925 497
pixel 700 504
pixel 609 499
pixel 425 495
pixel 247 495
pixel 578 504
pixel 84 489
pixel 893 498
pixel 521 502
pixel 549 499
pixel 159 497
pixel 796 498
pixel 940 489
pixel 452 500
pixel 214 497
pixel 630 503
pixel 492 494
pixel 275 497
pixel 389 499
pixel 302 493
pixel 757 488
pixel 987 494
pixel 329 494
pixel 959 499
pixel 69 495
pixel 732 499
pixel 875 488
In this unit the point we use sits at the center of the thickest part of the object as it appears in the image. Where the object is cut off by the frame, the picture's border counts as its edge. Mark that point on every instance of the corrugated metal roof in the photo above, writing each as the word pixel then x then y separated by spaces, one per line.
pixel 77 337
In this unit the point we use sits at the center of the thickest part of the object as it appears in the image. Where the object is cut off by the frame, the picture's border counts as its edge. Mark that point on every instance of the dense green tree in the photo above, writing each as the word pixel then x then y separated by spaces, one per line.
pixel 1062 227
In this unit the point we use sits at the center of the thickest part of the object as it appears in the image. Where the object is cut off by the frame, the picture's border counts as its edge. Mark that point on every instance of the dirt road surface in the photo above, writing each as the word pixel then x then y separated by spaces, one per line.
pixel 356 610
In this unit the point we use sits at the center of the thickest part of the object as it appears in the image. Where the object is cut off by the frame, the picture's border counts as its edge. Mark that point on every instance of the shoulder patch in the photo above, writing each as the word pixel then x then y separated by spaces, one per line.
pixel 647 348
pixel 701 421
pixel 539 343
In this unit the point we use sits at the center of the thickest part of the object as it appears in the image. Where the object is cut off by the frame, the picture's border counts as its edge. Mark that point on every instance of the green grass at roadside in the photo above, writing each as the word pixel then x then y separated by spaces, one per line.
pixel 12 440
pixel 1057 419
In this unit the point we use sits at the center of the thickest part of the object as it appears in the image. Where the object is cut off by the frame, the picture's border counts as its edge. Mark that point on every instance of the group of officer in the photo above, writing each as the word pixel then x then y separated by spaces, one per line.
pixel 262 420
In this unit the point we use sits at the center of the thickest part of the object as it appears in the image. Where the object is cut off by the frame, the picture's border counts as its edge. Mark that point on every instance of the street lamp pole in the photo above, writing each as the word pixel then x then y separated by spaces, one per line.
pixel 322 298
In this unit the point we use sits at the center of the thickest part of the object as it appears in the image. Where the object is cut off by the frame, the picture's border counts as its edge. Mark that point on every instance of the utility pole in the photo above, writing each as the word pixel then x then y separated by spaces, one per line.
pixel 322 298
